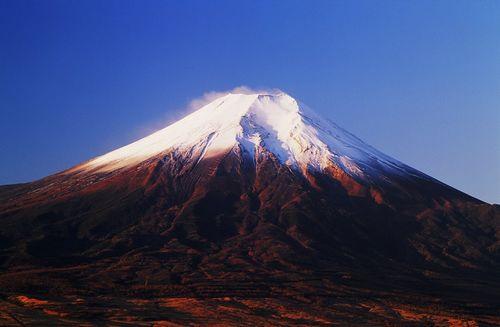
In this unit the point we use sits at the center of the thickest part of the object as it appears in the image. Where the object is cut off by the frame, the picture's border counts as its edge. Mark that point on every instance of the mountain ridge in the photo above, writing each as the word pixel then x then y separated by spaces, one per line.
pixel 190 225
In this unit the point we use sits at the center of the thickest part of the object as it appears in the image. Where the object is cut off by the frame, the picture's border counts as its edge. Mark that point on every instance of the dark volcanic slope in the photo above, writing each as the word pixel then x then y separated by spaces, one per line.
pixel 227 241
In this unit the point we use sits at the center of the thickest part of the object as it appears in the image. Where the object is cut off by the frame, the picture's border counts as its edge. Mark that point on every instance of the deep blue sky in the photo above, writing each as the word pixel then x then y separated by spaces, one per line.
pixel 420 80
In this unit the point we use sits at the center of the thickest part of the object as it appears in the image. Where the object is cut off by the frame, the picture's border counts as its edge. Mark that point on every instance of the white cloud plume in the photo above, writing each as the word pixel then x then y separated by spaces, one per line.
pixel 210 96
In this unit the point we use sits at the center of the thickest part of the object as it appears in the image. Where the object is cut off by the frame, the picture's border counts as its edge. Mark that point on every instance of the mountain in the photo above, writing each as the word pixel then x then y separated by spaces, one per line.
pixel 251 210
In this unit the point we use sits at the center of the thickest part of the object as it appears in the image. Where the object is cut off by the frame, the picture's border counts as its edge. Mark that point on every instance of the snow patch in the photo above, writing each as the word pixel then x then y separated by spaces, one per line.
pixel 273 121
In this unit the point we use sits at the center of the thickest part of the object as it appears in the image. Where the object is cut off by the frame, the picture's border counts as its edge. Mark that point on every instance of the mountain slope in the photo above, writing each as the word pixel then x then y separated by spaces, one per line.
pixel 252 196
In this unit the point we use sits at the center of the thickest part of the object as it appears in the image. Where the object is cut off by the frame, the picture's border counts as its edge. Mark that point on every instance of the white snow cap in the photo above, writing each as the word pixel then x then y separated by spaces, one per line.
pixel 256 122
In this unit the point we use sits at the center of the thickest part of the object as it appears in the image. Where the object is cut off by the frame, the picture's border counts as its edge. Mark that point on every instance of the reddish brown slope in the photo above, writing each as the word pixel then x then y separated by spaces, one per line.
pixel 227 228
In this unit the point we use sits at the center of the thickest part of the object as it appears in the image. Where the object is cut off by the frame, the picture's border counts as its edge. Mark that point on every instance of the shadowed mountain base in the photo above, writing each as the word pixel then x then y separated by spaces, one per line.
pixel 226 242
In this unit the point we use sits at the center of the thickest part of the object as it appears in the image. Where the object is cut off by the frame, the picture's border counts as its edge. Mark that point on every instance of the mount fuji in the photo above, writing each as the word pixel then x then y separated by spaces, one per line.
pixel 251 210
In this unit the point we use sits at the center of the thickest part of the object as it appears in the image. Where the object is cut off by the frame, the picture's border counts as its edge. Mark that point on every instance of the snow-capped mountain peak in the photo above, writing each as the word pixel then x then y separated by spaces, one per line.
pixel 254 123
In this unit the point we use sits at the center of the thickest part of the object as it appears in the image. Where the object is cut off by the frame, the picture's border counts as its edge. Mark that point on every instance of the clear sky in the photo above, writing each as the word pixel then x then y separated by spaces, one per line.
pixel 419 80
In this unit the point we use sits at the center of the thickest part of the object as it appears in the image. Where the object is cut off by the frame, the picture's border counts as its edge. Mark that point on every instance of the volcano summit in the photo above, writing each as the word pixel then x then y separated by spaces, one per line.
pixel 251 210
pixel 252 124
